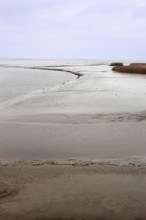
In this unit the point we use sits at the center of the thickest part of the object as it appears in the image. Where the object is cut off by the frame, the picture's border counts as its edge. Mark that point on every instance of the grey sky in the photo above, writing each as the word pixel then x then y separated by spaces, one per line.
pixel 106 29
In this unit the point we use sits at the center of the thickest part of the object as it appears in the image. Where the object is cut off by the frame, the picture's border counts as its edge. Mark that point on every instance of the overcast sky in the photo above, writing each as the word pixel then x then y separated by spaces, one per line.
pixel 105 29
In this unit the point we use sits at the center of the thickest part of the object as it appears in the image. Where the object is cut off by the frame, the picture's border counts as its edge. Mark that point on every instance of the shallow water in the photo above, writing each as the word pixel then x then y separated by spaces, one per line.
pixel 16 82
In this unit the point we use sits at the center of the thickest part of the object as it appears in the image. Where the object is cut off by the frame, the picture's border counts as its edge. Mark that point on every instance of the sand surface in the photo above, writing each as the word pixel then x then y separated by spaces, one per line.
pixel 76 150
pixel 72 192
pixel 45 141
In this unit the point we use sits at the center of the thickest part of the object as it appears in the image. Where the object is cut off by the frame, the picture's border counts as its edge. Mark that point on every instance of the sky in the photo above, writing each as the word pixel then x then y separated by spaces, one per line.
pixel 61 29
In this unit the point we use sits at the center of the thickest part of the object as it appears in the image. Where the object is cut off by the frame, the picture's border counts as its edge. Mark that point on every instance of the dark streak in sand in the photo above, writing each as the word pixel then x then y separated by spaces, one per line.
pixel 61 70
pixel 7 191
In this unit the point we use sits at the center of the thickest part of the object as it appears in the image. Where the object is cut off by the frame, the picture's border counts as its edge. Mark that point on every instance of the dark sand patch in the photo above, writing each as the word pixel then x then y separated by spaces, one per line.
pixel 80 118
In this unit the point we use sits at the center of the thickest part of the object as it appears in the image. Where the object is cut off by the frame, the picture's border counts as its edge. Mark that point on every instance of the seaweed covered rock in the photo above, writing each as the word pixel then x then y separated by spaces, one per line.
pixel 130 69
pixel 116 64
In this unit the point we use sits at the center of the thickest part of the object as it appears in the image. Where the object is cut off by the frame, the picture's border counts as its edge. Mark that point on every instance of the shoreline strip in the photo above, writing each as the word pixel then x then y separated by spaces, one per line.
pixel 119 162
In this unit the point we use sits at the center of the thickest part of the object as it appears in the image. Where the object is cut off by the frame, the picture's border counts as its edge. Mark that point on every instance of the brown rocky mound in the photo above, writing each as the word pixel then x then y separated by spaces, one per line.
pixel 130 69
pixel 116 64
pixel 138 64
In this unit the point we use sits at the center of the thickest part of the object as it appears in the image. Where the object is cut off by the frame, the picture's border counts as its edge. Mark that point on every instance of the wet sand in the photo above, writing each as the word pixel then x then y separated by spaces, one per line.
pixel 77 150
pixel 72 192
pixel 45 141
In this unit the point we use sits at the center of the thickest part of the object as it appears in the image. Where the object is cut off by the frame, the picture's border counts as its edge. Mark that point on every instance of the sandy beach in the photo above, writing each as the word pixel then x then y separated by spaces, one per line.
pixel 76 149
pixel 72 192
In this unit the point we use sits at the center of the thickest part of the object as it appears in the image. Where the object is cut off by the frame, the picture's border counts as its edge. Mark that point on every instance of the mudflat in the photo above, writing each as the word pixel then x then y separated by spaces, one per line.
pixel 72 192
pixel 74 149
pixel 22 141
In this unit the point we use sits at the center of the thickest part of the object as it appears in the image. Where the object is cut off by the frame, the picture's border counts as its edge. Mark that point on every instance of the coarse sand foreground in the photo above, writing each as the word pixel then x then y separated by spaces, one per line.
pixel 72 192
